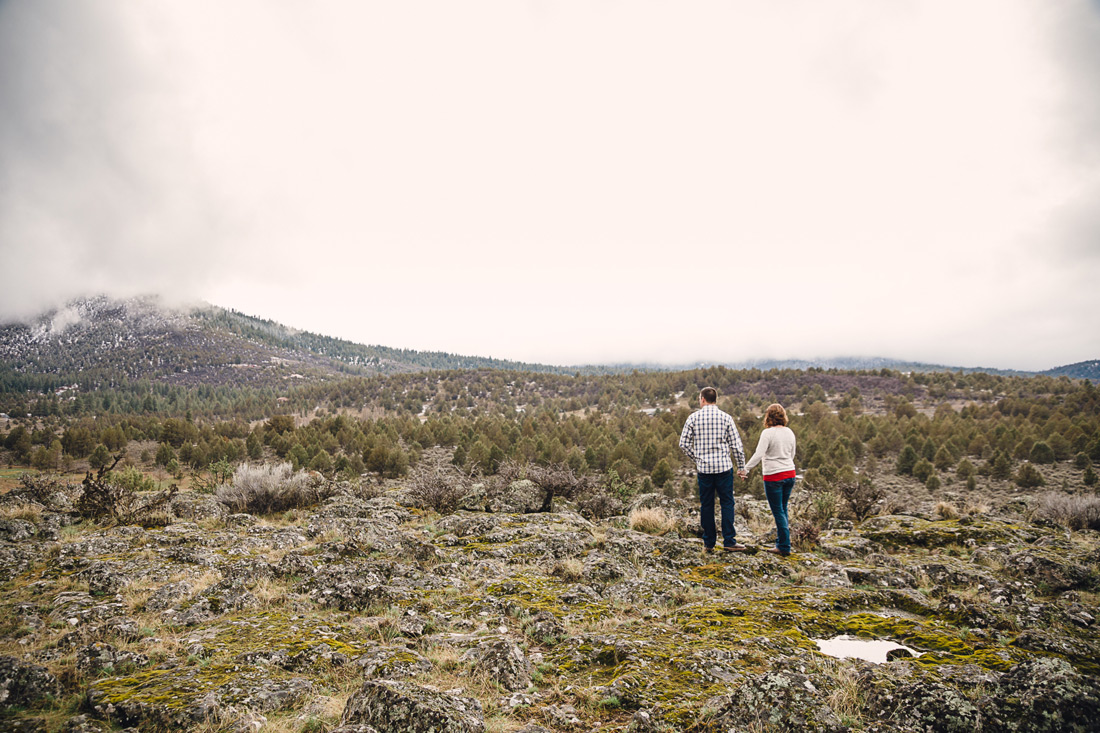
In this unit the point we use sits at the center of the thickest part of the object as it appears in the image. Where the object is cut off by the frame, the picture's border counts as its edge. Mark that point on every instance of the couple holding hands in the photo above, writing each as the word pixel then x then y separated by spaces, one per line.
pixel 708 438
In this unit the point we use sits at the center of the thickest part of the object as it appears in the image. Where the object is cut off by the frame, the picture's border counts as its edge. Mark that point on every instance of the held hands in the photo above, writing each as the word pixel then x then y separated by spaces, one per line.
pixel 743 474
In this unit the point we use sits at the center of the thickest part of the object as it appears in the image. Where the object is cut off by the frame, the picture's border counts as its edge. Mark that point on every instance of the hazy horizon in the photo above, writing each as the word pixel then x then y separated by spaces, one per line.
pixel 63 317
pixel 570 184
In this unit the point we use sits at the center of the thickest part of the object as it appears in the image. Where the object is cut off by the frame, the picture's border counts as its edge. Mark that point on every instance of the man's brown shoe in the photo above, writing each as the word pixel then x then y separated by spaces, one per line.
pixel 735 548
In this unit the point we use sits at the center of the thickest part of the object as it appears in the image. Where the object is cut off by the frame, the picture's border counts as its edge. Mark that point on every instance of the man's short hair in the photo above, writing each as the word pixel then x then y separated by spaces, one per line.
pixel 709 395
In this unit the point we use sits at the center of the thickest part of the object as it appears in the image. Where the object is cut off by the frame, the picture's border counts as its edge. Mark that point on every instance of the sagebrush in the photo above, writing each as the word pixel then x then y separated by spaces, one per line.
pixel 271 488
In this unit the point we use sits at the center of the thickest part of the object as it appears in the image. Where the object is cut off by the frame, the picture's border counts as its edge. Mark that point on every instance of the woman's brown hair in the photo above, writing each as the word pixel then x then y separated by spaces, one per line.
pixel 775 415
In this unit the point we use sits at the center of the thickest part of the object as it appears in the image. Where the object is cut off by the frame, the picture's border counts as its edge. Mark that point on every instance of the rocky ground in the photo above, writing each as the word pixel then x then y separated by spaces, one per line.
pixel 374 614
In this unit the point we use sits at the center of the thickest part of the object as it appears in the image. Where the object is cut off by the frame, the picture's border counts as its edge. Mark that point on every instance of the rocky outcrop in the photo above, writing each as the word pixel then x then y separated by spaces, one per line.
pixel 779 700
pixel 23 684
pixel 403 707
pixel 249 620
pixel 502 661
pixel 393 663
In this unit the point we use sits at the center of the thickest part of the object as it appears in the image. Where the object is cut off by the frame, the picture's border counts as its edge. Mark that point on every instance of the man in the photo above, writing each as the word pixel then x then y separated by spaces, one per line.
pixel 708 437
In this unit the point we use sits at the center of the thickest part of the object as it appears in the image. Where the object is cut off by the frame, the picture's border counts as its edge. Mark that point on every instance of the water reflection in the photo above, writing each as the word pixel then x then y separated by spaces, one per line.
pixel 872 650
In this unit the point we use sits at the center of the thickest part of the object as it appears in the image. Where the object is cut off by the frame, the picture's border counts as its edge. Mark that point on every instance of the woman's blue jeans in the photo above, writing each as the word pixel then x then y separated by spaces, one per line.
pixel 779 493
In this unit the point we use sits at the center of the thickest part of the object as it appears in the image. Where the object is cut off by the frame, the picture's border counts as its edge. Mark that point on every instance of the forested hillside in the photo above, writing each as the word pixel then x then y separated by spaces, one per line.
pixel 922 430
pixel 188 389
pixel 138 345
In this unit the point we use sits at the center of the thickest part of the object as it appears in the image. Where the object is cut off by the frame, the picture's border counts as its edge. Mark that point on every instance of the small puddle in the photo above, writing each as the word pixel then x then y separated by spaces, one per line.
pixel 872 650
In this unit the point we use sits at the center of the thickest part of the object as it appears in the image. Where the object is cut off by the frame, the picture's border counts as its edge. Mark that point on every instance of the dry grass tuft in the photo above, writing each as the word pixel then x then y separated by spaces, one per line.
pixel 204 581
pixel 845 698
pixel 976 506
pixel 570 570
pixel 947 510
pixel 27 512
pixel 652 520
pixel 270 592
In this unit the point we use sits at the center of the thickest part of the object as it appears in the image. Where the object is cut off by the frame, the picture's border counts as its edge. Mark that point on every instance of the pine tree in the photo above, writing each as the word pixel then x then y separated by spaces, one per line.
pixel 923 470
pixel 906 460
pixel 100 457
pixel 662 472
pixel 928 450
pixel 943 458
pixel 1028 476
pixel 1041 453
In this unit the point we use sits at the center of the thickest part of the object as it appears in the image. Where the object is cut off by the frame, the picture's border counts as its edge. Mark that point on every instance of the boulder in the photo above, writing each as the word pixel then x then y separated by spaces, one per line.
pixel 353 588
pixel 778 700
pixel 1049 570
pixel 194 507
pixel 99 656
pixel 22 684
pixel 503 662
pixel 168 595
pixel 882 577
pixel 520 497
pixel 104 578
pixel 404 707
pixel 393 663
pixel 16 530
pixel 927 705
pixel 1045 694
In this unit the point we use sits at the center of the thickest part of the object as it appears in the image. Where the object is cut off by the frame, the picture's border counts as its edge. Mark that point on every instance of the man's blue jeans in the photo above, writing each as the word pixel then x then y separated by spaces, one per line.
pixel 722 485
pixel 779 493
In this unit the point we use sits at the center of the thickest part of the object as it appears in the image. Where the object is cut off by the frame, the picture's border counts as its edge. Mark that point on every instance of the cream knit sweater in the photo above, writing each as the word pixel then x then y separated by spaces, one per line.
pixel 776 448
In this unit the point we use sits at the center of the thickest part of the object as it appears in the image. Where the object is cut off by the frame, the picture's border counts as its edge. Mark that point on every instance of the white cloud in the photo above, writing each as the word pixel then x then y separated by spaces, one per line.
pixel 551 181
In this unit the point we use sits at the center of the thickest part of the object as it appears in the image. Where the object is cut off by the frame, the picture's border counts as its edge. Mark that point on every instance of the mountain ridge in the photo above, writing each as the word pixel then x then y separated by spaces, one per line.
pixel 144 338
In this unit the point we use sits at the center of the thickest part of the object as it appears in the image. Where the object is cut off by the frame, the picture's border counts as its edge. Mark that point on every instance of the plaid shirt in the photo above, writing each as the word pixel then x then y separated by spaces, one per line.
pixel 708 437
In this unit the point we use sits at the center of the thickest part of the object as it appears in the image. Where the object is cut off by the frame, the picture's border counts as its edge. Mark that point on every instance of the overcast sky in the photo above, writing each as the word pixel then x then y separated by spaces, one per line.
pixel 570 182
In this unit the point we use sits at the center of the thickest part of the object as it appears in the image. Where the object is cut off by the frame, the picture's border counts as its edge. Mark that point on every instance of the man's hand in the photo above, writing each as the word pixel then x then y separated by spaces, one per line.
pixel 743 474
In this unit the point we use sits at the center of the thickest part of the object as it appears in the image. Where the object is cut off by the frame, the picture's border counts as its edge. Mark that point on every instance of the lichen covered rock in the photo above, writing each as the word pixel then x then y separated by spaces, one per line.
pixel 404 707
pixel 502 661
pixel 778 700
pixel 1045 695
pixel 393 663
pixel 23 684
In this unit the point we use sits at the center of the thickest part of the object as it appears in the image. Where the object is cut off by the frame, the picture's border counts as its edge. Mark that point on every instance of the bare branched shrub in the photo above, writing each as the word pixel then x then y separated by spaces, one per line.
pixel 103 498
pixel 1071 512
pixel 805 535
pixel 652 520
pixel 45 489
pixel 824 505
pixel 599 505
pixel 439 487
pixel 861 496
pixel 270 488
pixel 558 480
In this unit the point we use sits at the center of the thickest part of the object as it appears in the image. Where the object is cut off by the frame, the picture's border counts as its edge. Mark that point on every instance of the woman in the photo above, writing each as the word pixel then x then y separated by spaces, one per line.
pixel 776 449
